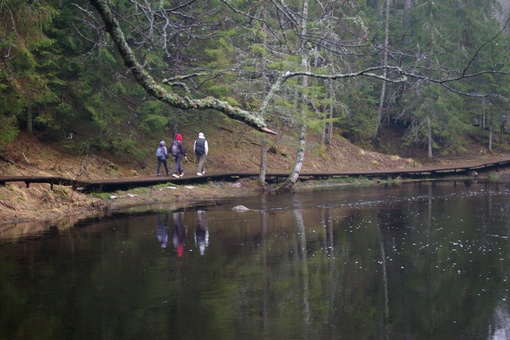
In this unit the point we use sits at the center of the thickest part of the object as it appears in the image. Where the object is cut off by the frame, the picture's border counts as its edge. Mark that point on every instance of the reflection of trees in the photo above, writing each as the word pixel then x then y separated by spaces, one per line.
pixel 421 268
pixel 14 298
pixel 389 268
pixel 384 283
pixel 436 277
pixel 266 277
pixel 500 325
pixel 302 256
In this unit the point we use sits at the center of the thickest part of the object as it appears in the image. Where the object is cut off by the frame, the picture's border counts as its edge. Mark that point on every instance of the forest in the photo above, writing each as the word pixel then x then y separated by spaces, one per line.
pixel 100 76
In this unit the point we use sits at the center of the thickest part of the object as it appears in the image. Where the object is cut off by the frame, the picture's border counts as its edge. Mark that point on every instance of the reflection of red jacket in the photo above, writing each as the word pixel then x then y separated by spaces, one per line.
pixel 178 241
pixel 179 234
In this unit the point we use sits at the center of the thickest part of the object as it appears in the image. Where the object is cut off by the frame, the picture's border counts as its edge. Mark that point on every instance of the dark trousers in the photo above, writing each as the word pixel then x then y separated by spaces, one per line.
pixel 162 161
pixel 178 169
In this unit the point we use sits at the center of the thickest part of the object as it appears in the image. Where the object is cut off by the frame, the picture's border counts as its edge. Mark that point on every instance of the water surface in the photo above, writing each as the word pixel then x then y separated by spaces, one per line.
pixel 413 261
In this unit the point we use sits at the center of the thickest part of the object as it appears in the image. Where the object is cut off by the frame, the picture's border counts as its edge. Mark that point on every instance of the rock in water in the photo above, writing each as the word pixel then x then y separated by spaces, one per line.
pixel 472 173
pixel 240 208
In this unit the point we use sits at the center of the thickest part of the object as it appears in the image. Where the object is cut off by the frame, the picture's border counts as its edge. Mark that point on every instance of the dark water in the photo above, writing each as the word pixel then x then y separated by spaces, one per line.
pixel 413 261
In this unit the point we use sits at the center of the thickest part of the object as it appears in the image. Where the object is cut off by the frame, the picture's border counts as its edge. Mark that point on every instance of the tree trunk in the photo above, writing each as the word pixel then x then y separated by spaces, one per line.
pixel 290 182
pixel 383 90
pixel 405 20
pixel 483 123
pixel 490 132
pixel 29 118
pixel 327 130
pixel 263 164
pixel 263 144
pixel 429 138
pixel 329 137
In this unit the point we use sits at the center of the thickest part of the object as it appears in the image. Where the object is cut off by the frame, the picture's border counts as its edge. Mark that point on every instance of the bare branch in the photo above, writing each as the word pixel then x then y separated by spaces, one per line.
pixel 160 93
pixel 486 44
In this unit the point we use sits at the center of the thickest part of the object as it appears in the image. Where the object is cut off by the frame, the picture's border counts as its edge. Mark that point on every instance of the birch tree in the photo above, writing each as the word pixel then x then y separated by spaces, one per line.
pixel 289 183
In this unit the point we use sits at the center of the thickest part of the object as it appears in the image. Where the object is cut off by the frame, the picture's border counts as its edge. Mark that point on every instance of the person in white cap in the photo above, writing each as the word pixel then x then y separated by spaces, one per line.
pixel 201 150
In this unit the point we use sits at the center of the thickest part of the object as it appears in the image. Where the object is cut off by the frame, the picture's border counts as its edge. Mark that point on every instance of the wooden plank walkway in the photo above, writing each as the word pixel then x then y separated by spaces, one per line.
pixel 109 185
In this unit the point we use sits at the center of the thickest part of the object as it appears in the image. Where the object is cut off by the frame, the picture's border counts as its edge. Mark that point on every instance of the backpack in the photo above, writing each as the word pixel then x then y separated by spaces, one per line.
pixel 160 153
pixel 175 148
pixel 200 146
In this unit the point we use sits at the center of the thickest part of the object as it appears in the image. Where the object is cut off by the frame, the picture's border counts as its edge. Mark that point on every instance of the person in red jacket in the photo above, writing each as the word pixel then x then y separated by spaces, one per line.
pixel 179 152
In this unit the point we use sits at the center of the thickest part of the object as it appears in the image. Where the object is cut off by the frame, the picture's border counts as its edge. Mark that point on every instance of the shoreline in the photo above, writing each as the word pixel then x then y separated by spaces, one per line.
pixel 84 207
pixel 63 206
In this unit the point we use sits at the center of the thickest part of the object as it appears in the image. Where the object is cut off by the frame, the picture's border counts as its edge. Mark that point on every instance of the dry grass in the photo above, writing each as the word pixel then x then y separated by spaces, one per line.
pixel 18 203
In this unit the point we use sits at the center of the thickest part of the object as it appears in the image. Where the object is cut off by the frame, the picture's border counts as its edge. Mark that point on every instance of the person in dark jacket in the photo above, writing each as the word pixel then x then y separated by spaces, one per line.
pixel 201 149
pixel 179 152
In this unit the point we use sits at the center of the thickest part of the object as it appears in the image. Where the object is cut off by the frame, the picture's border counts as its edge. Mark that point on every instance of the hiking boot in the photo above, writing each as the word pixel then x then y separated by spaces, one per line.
pixel 175 175
pixel 182 174
pixel 199 173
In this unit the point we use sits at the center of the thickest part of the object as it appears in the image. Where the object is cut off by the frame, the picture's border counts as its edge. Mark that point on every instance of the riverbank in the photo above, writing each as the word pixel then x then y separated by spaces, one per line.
pixel 28 156
pixel 38 202
pixel 38 210
pixel 62 206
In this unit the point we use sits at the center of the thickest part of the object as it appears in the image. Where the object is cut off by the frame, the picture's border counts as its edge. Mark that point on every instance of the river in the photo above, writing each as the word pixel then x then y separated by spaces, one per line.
pixel 423 260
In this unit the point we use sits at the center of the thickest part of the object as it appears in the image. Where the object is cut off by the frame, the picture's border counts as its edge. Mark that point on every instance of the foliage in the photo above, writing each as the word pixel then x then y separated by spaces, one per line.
pixel 437 46
pixel 21 85
pixel 60 76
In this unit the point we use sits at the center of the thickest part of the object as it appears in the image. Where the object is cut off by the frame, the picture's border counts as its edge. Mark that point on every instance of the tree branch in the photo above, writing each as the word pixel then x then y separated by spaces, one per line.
pixel 149 84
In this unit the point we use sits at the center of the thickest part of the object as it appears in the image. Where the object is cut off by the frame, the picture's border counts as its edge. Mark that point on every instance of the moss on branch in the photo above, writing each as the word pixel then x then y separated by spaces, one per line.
pixel 252 119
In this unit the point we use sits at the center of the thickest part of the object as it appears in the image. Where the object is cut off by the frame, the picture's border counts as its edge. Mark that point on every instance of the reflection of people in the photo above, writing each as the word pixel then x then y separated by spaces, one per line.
pixel 201 149
pixel 201 233
pixel 178 154
pixel 162 231
pixel 162 155
pixel 178 234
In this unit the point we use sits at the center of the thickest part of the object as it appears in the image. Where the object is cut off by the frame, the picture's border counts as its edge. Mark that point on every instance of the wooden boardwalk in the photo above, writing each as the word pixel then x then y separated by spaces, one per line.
pixel 108 185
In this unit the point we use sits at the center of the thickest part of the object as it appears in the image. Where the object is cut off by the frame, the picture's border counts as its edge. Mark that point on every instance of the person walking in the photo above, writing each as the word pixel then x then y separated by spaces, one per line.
pixel 201 149
pixel 179 152
pixel 162 155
